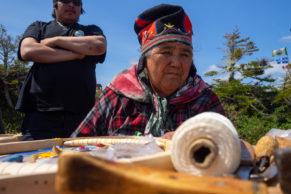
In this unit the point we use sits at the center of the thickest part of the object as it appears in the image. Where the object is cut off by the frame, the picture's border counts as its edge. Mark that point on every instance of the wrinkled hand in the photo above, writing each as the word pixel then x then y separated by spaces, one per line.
pixel 168 135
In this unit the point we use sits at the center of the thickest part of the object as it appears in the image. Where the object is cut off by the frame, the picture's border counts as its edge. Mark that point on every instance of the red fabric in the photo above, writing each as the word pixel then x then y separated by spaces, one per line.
pixel 128 84
pixel 115 113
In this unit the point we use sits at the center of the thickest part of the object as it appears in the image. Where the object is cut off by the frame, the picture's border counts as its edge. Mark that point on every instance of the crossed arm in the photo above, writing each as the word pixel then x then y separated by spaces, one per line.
pixel 61 48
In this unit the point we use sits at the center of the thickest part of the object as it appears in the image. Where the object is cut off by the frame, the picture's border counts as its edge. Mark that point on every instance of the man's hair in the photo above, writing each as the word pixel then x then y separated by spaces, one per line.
pixel 56 6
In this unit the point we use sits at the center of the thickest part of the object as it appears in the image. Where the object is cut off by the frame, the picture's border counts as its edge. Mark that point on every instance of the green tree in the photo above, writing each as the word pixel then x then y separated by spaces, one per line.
pixel 248 96
pixel 244 88
pixel 284 96
pixel 236 49
pixel 12 75
pixel 12 71
pixel 98 90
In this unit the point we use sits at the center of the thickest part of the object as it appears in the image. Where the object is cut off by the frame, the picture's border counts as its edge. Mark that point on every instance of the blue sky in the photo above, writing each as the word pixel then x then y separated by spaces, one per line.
pixel 266 22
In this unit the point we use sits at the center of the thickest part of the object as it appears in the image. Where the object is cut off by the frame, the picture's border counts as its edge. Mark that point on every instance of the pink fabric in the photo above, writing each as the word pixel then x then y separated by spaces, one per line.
pixel 127 83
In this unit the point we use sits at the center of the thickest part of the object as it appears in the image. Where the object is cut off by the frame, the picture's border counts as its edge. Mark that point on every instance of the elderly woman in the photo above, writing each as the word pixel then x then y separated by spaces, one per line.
pixel 159 93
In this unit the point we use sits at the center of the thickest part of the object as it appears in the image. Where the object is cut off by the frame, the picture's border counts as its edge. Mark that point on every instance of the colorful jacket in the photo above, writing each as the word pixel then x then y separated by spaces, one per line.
pixel 127 106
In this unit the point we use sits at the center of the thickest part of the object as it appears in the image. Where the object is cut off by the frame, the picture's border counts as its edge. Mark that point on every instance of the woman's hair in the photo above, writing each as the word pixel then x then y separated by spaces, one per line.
pixel 143 61
pixel 56 6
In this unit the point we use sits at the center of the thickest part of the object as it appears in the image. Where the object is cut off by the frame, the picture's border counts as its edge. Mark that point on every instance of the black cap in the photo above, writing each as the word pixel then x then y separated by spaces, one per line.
pixel 162 23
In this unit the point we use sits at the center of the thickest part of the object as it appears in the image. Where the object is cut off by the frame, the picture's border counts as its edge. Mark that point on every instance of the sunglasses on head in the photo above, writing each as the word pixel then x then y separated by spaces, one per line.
pixel 75 2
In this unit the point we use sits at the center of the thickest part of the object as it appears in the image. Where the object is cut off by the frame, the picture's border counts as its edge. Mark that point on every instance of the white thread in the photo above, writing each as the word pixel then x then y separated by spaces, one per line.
pixel 210 126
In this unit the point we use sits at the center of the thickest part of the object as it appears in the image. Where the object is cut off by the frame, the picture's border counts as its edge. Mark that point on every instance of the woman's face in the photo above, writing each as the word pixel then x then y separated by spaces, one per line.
pixel 168 66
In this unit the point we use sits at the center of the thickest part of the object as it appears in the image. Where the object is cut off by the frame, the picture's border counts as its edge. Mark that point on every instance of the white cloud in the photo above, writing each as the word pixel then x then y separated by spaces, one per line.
pixel 286 39
pixel 213 68
pixel 132 62
pixel 276 72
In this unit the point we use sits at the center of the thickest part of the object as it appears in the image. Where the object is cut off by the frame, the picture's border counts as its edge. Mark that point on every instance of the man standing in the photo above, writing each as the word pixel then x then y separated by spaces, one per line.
pixel 60 87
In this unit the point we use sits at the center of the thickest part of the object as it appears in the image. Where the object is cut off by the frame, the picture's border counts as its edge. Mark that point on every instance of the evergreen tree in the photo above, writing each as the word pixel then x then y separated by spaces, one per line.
pixel 236 49
pixel 12 75
pixel 283 99
pixel 251 101
pixel 245 89
pixel 12 71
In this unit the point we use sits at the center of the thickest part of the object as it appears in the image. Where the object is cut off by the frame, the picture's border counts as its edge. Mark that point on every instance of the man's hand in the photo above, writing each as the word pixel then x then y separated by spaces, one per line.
pixel 50 42
pixel 86 45
pixel 31 50
pixel 79 56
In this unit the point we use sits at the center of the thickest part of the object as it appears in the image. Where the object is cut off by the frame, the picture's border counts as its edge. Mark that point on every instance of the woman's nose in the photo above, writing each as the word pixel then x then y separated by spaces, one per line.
pixel 176 60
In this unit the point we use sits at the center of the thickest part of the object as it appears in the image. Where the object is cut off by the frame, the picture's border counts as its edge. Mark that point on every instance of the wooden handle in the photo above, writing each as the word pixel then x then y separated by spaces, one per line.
pixel 283 142
pixel 267 145
pixel 83 173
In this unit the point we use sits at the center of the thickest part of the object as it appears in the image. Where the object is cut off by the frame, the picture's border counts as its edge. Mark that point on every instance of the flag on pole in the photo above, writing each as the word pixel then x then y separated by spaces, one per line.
pixel 279 52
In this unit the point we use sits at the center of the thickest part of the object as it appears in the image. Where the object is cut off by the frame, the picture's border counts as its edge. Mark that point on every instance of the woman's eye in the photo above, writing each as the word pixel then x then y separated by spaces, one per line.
pixel 166 53
pixel 185 55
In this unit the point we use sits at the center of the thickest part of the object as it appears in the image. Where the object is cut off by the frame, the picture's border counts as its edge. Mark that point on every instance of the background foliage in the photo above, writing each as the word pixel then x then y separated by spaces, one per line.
pixel 250 99
pixel 12 75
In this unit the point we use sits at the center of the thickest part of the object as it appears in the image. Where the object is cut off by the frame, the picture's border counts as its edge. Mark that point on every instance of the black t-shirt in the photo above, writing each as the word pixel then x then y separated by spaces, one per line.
pixel 63 86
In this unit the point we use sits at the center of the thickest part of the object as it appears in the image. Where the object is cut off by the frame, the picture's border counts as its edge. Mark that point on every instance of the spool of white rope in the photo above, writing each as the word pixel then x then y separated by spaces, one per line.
pixel 206 144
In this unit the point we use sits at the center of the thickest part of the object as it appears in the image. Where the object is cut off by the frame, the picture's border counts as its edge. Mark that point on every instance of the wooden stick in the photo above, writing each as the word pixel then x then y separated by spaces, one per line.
pixel 27 184
pixel 94 142
pixel 10 138
pixel 25 146
pixel 15 168
pixel 81 172
pixel 163 143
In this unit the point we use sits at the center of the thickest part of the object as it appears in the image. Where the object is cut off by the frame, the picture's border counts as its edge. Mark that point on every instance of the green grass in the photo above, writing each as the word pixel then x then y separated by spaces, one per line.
pixel 253 128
